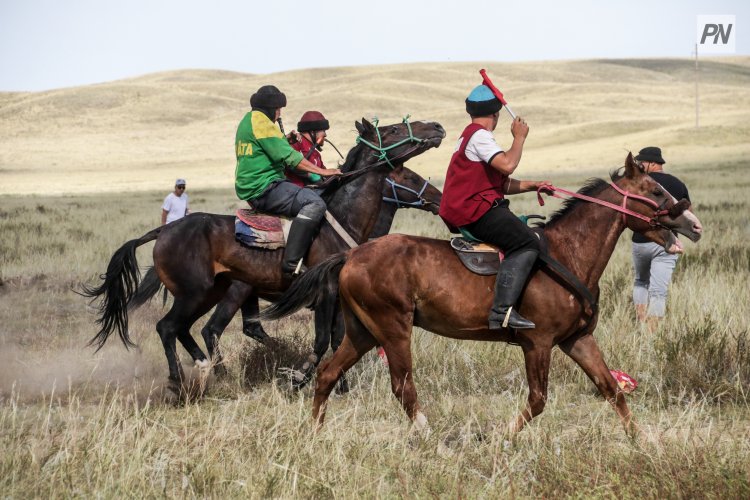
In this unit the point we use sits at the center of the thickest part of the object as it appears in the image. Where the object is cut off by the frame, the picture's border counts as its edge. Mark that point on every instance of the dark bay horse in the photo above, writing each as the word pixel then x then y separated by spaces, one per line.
pixel 403 188
pixel 398 281
pixel 198 274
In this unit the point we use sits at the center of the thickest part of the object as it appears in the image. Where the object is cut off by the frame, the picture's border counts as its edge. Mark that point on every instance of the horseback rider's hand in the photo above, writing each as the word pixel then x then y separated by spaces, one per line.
pixel 330 172
pixel 293 137
pixel 545 186
pixel 519 128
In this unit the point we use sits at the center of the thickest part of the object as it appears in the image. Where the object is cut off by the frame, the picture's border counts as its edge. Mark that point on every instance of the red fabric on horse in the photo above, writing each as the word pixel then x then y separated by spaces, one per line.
pixel 260 222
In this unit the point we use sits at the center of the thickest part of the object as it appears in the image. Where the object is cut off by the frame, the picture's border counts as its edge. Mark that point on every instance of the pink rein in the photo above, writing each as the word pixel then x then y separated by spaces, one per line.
pixel 553 190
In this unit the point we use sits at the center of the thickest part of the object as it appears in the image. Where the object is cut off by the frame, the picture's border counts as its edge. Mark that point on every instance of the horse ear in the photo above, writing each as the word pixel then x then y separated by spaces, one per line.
pixel 360 127
pixel 632 167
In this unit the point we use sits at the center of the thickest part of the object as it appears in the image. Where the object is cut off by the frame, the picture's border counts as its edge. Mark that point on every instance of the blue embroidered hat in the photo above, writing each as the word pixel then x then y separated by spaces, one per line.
pixel 482 102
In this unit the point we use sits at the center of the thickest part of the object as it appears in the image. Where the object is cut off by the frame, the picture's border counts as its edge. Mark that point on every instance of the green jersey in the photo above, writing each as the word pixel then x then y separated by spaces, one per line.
pixel 262 154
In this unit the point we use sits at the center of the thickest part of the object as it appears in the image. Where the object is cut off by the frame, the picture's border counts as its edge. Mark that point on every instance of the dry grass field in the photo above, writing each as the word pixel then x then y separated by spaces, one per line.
pixel 83 170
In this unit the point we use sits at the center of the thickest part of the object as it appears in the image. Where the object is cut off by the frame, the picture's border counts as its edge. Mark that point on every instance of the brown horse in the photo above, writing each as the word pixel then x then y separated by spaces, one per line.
pixel 398 281
pixel 403 188
pixel 199 273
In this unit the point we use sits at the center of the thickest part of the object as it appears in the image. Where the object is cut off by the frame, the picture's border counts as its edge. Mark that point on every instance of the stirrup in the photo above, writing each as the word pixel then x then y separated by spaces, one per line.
pixel 298 270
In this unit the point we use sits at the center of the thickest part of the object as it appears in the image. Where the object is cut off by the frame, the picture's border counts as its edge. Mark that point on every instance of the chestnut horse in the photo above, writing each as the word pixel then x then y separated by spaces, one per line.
pixel 197 257
pixel 398 281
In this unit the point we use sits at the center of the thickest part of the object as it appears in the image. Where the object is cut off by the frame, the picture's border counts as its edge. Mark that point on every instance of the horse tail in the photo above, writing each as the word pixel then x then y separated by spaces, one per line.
pixel 149 286
pixel 120 283
pixel 308 289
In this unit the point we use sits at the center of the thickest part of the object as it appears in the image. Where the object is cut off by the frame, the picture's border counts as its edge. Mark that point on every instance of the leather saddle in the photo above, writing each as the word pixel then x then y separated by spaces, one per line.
pixel 479 258
pixel 260 230
pixel 482 258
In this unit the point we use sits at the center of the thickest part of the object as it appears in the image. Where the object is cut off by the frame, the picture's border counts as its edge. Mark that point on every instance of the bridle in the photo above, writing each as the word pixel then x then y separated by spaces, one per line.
pixel 420 201
pixel 653 221
pixel 382 152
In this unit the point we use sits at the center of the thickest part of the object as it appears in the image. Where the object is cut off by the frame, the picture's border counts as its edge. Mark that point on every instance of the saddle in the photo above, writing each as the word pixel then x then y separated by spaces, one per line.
pixel 260 230
pixel 483 258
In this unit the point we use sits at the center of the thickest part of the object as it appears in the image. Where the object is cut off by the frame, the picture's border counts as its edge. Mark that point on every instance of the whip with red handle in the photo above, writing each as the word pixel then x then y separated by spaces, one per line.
pixel 486 81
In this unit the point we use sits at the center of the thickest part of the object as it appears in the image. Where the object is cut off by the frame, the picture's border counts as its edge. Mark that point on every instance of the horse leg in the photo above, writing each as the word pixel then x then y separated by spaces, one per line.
pixel 167 328
pixel 337 336
pixel 220 319
pixel 402 378
pixel 251 327
pixel 537 359
pixel 357 341
pixel 584 350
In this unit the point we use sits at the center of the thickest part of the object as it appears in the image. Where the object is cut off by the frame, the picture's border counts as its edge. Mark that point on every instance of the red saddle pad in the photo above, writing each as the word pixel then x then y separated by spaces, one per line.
pixel 259 221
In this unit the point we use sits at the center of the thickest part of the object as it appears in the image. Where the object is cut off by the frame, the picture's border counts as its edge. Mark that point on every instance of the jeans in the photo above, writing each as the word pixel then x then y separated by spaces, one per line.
pixel 653 268
pixel 285 198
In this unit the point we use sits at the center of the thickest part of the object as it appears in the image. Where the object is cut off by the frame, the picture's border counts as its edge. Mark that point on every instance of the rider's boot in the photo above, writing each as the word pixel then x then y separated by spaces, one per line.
pixel 300 238
pixel 511 278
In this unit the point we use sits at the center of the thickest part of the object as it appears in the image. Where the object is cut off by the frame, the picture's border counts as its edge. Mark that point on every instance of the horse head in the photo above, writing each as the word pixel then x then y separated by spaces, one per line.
pixel 666 216
pixel 397 143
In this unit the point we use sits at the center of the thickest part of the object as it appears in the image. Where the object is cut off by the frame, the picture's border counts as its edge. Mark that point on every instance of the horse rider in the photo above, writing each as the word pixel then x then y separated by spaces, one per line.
pixel 476 183
pixel 263 153
pixel 308 140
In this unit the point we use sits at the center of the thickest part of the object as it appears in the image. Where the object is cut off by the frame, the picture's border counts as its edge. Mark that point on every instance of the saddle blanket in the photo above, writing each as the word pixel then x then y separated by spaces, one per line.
pixel 259 230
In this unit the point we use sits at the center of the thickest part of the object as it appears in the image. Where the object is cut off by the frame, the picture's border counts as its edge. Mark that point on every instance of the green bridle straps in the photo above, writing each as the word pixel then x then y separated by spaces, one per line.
pixel 383 151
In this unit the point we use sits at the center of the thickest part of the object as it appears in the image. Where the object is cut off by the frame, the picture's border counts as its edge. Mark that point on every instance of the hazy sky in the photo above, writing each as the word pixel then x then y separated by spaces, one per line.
pixel 48 44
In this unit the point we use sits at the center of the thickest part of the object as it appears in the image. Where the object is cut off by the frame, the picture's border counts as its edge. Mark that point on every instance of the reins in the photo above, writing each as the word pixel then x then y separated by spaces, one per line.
pixel 653 220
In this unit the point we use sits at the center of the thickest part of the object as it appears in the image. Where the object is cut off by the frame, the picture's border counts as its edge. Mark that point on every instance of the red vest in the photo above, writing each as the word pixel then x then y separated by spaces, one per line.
pixel 304 146
pixel 471 187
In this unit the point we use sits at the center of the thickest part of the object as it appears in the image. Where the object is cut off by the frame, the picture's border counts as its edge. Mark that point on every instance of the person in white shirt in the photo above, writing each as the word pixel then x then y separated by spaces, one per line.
pixel 175 204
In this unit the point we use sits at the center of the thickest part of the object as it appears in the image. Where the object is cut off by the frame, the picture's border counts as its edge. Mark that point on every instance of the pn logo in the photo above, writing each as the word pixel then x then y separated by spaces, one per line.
pixel 716 34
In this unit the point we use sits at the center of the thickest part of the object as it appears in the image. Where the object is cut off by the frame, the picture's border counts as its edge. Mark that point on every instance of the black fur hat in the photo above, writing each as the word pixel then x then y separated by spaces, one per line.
pixel 268 97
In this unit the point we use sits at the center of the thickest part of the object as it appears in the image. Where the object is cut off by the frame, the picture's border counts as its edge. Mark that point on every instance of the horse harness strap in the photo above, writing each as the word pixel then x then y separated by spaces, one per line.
pixel 400 203
pixel 340 230
pixel 653 220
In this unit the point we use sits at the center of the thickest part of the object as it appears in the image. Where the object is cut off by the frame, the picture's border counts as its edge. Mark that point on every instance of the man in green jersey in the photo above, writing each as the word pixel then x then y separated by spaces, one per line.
pixel 263 153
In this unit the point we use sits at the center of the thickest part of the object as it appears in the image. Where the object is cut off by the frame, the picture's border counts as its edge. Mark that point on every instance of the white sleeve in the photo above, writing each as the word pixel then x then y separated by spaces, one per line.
pixel 482 146
pixel 167 203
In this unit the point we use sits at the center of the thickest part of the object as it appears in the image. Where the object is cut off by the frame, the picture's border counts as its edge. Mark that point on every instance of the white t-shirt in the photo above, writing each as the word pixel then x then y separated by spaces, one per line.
pixel 176 206
pixel 481 147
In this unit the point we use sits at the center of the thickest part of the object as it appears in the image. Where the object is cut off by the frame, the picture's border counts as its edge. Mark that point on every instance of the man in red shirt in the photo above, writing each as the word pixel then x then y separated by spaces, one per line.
pixel 311 132
pixel 476 183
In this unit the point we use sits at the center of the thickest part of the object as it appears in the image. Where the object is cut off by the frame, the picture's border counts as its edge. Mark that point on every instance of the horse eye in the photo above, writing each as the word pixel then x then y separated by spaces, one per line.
pixel 658 192
pixel 394 129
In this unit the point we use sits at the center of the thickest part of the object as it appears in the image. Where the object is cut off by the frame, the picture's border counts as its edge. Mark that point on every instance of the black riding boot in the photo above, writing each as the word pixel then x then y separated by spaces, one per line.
pixel 511 278
pixel 301 235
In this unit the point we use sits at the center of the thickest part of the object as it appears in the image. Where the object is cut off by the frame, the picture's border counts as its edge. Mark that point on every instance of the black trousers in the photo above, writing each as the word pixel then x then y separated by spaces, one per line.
pixel 499 226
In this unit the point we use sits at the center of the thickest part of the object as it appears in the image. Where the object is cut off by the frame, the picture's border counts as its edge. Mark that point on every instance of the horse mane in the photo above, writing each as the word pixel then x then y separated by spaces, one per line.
pixel 351 159
pixel 591 187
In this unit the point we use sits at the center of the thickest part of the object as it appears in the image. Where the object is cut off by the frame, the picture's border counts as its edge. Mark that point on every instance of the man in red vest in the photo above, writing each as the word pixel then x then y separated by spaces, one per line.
pixel 476 183
pixel 308 140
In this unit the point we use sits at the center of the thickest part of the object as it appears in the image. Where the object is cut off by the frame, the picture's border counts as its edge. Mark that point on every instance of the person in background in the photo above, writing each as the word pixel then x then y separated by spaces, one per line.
pixel 652 264
pixel 308 140
pixel 175 204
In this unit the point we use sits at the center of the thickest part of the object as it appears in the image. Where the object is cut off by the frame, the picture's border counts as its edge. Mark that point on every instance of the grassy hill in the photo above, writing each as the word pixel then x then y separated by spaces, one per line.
pixel 141 133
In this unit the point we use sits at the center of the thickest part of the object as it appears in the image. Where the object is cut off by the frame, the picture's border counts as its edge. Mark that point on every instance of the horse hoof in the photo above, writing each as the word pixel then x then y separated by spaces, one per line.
pixel 256 332
pixel 203 366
